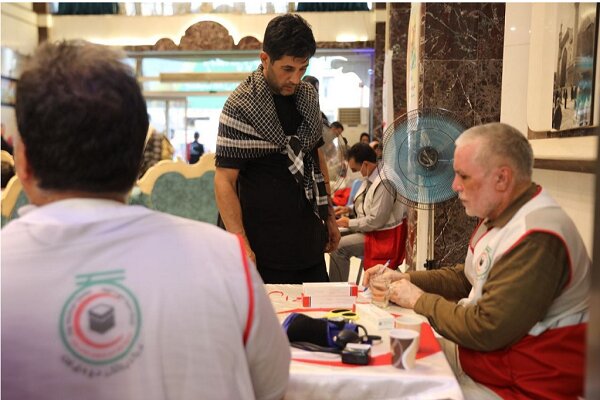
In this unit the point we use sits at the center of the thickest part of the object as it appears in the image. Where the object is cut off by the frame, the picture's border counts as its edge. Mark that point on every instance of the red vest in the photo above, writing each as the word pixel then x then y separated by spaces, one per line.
pixel 548 366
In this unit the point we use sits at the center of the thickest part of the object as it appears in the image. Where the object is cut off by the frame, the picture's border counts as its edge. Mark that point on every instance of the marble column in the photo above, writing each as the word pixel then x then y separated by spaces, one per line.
pixel 399 16
pixel 378 79
pixel 461 71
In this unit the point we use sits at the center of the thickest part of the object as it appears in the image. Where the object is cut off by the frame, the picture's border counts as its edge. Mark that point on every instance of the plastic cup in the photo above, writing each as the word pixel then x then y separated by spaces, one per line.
pixel 380 294
pixel 404 344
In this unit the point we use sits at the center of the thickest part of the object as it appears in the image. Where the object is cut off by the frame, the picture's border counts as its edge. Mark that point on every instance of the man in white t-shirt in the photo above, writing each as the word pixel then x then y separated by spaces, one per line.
pixel 101 300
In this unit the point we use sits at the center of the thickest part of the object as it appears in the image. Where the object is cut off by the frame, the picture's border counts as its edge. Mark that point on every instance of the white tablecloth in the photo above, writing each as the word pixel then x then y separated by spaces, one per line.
pixel 316 375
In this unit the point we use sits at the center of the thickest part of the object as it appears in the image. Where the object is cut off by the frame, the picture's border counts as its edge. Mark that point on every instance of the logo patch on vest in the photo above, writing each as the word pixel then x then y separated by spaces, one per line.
pixel 100 325
pixel 483 263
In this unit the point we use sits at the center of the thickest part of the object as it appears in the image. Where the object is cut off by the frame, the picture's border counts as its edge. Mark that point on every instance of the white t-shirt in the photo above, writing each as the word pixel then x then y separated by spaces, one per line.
pixel 106 301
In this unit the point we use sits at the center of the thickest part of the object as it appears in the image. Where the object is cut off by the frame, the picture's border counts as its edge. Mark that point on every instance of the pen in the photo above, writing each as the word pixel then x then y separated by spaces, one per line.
pixel 387 264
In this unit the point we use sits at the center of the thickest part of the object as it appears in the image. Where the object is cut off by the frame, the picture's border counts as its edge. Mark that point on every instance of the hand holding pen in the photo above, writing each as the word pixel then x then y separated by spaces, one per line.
pixel 378 269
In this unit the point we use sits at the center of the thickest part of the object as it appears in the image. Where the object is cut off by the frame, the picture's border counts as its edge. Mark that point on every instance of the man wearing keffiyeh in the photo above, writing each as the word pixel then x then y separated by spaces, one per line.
pixel 271 183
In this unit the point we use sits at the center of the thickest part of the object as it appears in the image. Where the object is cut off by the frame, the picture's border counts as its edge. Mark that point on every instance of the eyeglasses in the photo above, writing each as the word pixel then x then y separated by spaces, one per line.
pixel 340 314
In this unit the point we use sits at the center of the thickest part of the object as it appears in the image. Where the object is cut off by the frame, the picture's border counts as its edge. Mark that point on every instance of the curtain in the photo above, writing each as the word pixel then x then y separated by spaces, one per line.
pixel 87 8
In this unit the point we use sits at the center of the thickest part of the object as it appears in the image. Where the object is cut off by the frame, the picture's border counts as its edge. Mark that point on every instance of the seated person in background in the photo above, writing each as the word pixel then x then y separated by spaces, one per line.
pixel 365 138
pixel 109 300
pixel 195 150
pixel 337 128
pixel 521 317
pixel 375 208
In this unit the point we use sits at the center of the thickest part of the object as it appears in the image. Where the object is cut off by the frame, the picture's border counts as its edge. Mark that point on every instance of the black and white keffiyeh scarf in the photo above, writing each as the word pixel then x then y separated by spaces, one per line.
pixel 249 128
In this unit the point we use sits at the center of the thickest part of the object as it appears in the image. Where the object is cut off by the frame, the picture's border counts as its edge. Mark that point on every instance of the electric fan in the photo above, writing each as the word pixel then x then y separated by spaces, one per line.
pixel 334 150
pixel 418 154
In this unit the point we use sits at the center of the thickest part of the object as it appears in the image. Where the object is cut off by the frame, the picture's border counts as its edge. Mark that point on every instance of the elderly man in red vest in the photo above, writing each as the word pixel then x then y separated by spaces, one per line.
pixel 516 312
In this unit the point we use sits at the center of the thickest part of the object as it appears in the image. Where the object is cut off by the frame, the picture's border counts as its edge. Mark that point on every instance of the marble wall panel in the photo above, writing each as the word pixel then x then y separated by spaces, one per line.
pixel 377 105
pixel 399 18
pixel 462 47
pixel 399 77
pixel 490 43
pixel 487 89
pixel 411 239
pixel 451 84
pixel 453 229
pixel 451 31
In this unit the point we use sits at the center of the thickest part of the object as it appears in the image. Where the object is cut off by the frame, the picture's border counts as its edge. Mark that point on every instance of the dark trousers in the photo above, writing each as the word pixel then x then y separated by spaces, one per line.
pixel 315 273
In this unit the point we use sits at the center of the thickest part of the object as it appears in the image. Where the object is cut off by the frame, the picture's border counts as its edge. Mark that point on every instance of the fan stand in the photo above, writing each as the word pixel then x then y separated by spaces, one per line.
pixel 430 262
pixel 428 158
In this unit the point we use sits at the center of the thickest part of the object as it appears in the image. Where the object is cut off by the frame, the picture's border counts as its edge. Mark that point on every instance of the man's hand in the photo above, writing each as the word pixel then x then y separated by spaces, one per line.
pixel 339 211
pixel 404 293
pixel 334 235
pixel 382 269
pixel 343 222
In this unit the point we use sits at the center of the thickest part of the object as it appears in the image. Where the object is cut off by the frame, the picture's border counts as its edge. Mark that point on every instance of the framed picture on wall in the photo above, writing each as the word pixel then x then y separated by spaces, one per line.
pixel 9 87
pixel 574 69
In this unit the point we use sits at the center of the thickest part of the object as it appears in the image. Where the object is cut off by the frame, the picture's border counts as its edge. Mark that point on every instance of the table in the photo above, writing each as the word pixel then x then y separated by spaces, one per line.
pixel 315 375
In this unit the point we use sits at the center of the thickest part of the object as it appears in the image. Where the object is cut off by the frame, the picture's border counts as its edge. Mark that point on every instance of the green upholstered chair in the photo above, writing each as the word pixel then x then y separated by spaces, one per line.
pixel 13 197
pixel 178 188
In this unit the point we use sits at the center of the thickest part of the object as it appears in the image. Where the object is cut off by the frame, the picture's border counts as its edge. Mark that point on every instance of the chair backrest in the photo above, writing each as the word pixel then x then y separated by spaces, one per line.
pixel 13 197
pixel 6 157
pixel 178 188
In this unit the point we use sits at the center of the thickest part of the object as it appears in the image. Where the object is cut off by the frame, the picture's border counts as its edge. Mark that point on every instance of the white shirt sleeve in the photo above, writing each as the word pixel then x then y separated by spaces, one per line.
pixel 381 209
pixel 267 348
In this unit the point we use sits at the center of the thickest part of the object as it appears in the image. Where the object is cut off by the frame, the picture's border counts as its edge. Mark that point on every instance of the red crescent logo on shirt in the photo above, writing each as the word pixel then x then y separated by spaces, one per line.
pixel 100 322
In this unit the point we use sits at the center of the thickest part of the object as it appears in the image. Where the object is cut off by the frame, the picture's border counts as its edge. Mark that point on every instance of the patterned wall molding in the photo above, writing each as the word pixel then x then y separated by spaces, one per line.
pixel 210 35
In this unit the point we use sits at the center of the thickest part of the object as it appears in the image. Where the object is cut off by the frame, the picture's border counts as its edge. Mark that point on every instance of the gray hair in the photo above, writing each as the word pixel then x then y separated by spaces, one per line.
pixel 501 143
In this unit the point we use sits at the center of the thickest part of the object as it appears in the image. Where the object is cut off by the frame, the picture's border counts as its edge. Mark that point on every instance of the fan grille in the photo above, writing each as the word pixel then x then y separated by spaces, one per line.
pixel 334 151
pixel 418 153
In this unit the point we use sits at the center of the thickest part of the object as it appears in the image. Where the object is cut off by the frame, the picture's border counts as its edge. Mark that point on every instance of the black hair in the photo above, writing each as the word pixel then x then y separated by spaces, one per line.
pixel 196 135
pixel 82 118
pixel 365 134
pixel 336 124
pixel 362 152
pixel 289 35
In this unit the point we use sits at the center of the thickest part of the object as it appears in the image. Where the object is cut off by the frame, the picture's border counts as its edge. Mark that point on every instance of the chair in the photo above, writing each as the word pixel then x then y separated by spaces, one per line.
pixel 6 157
pixel 13 198
pixel 8 167
pixel 180 189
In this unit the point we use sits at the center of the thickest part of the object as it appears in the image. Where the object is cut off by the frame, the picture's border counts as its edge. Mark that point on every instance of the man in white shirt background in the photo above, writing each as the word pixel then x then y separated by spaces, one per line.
pixel 375 208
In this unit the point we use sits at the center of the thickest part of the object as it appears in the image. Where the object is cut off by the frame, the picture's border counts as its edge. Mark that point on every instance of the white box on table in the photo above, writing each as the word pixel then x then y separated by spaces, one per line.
pixel 328 301
pixel 329 289
pixel 380 318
